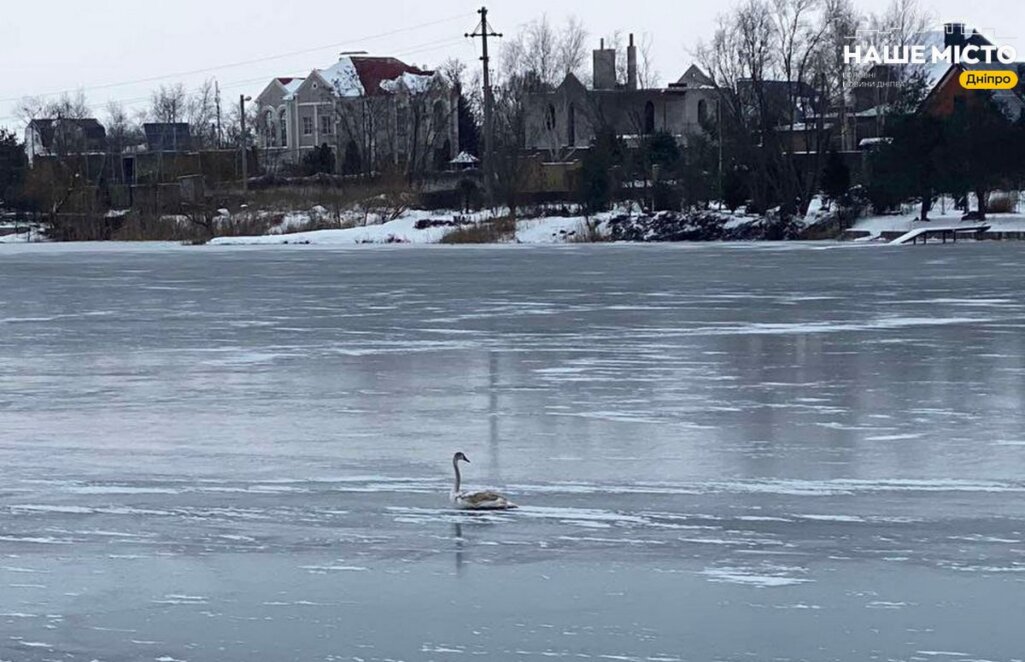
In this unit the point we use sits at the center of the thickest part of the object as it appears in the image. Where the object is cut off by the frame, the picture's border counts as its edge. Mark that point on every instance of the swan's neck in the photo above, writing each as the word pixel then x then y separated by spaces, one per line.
pixel 455 465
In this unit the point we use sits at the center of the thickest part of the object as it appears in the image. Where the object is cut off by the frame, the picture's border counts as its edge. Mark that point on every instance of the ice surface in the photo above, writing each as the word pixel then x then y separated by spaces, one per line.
pixel 721 452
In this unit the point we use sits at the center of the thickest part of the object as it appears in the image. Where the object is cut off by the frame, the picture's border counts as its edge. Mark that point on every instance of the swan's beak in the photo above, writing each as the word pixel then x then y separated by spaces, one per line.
pixel 466 459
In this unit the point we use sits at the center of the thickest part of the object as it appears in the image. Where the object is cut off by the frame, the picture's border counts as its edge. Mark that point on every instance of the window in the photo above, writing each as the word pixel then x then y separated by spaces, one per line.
pixel 571 129
pixel 402 129
pixel 283 121
pixel 327 125
pixel 270 129
pixel 439 117
pixel 307 126
pixel 702 111
pixel 649 118
pixel 550 118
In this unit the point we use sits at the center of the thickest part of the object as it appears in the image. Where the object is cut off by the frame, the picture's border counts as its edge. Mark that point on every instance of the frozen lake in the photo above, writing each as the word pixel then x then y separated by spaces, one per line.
pixel 724 452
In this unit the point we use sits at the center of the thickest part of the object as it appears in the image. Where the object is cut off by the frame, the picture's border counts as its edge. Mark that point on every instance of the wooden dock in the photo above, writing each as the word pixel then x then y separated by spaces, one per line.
pixel 943 232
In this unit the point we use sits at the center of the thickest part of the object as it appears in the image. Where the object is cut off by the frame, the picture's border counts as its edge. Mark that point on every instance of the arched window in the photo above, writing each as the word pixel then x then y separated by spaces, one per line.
pixel 571 126
pixel 270 129
pixel 283 122
pixel 439 117
pixel 649 117
pixel 550 117
pixel 702 111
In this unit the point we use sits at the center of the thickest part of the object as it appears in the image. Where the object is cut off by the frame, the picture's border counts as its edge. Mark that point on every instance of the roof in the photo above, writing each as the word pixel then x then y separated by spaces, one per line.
pixel 1010 102
pixel 87 128
pixel 290 84
pixel 694 77
pixel 931 73
pixel 355 76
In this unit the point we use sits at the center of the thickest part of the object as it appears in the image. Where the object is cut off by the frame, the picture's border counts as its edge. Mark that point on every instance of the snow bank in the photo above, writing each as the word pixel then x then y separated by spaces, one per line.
pixel 433 227
pixel 399 231
pixel 552 230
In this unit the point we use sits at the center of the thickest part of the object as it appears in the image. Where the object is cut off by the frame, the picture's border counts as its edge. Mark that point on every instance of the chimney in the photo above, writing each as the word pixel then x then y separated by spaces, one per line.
pixel 631 65
pixel 954 35
pixel 605 68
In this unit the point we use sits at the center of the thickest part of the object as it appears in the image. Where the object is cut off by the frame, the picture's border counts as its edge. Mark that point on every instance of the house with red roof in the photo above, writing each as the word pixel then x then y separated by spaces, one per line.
pixel 374 113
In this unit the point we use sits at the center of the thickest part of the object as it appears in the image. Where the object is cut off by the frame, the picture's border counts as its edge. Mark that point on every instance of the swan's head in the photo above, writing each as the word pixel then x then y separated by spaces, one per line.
pixel 459 457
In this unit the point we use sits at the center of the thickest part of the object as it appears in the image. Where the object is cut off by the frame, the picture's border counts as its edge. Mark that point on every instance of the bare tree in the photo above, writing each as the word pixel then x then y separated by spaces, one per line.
pixel 647 75
pixel 122 130
pixel 69 105
pixel 169 104
pixel 201 113
pixel 454 71
pixel 768 60
pixel 405 130
pixel 544 52
pixel 30 108
pixel 900 24
pixel 839 77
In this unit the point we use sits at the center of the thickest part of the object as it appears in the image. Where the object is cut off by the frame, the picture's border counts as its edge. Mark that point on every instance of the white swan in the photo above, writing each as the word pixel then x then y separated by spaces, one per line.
pixel 475 500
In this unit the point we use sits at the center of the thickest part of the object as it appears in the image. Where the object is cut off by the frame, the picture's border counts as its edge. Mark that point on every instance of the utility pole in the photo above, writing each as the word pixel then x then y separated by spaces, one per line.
pixel 719 129
pixel 482 32
pixel 242 139
pixel 217 100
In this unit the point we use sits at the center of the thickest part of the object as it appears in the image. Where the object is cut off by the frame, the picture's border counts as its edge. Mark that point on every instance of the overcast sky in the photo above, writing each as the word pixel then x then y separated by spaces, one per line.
pixel 121 49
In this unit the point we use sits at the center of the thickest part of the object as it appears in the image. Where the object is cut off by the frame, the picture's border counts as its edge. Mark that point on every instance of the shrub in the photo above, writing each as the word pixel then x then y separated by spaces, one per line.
pixel 487 232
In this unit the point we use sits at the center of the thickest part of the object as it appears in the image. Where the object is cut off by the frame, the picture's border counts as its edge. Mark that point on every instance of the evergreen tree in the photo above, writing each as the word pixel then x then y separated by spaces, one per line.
pixel 597 182
pixel 735 191
pixel 836 177
pixel 661 150
pixel 699 170
pixel 469 130
pixel 977 152
pixel 910 165
pixel 319 160
pixel 13 166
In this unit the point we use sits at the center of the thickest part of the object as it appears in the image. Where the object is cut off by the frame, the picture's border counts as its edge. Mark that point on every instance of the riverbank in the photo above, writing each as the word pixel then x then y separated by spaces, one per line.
pixel 558 225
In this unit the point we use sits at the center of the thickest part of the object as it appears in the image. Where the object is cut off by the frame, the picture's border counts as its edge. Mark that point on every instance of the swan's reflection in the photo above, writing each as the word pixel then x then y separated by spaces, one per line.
pixel 461 543
pixel 493 411
pixel 457 536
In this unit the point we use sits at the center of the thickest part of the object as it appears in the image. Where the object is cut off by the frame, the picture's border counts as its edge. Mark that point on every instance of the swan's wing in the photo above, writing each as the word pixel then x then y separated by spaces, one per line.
pixel 485 500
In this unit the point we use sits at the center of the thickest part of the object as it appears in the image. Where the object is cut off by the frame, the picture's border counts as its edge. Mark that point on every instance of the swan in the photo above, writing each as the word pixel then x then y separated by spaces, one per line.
pixel 475 500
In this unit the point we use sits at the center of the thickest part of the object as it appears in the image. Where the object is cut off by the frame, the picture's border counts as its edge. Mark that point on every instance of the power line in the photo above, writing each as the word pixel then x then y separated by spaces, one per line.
pixel 268 58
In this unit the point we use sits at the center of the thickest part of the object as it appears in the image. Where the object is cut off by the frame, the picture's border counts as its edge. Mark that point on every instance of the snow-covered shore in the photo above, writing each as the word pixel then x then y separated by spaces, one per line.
pixel 419 227
pixel 430 227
